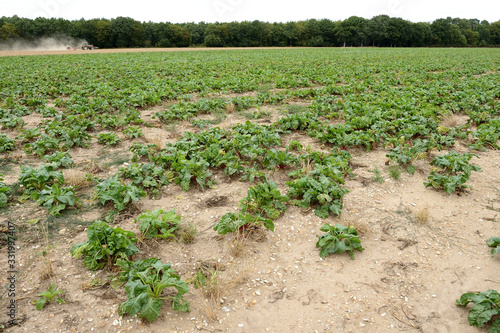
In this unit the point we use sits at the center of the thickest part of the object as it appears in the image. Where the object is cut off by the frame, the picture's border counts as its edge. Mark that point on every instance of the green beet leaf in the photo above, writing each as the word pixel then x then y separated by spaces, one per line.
pixel 494 242
pixel 486 308
pixel 338 239
pixel 105 245
pixel 146 281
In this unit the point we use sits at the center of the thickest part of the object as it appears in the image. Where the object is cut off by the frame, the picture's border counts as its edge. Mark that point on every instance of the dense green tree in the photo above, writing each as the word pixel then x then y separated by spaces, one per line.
pixel 103 33
pixel 327 30
pixel 441 31
pixel 421 34
pixel 302 34
pixel 494 29
pixel 216 35
pixel 472 37
pixel 292 33
pixel 484 34
pixel 122 30
pixel 313 33
pixel 179 36
pixel 138 36
pixel 233 34
pixel 8 31
pixel 377 30
pixel 456 36
pixel 150 31
pixel 381 30
pixel 89 30
pixel 279 35
pixel 196 32
pixel 399 32
pixel 352 32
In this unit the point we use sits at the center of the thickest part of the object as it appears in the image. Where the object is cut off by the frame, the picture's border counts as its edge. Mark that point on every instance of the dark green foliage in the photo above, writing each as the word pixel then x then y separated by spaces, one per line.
pixel 201 123
pixel 12 122
pixel 189 170
pixel 380 31
pixel 57 198
pixel 233 222
pixel 42 146
pixel 108 138
pixel 455 162
pixel 6 143
pixel 149 150
pixel 60 159
pixel 28 135
pixel 187 110
pixel 159 223
pixel 35 180
pixel 338 239
pixel 146 176
pixel 4 192
pixel 48 296
pixel 295 145
pixel 487 134
pixel 132 132
pixel 299 121
pixel 316 189
pixel 404 153
pixel 146 281
pixel 265 200
pixel 114 191
pixel 335 164
pixel 455 171
pixel 486 309
pixel 494 242
pixel 278 159
pixel 75 136
pixel 105 245
pixel 343 136
pixel 253 173
pixel 262 204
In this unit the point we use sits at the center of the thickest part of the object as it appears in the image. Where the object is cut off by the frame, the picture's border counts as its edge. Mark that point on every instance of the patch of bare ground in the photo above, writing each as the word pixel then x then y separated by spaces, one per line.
pixel 423 249
pixel 305 141
pixel 408 277
pixel 454 120
pixel 485 73
pixel 32 120
pixel 148 113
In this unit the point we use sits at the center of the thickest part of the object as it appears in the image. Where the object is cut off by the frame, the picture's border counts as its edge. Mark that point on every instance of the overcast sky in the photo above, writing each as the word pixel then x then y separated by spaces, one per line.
pixel 249 10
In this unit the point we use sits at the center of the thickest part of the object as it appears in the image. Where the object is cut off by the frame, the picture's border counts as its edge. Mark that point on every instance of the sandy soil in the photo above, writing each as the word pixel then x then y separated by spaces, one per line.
pixel 407 278
pixel 172 49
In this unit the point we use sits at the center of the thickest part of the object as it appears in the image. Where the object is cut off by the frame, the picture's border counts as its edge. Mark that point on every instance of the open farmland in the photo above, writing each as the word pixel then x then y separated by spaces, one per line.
pixel 255 150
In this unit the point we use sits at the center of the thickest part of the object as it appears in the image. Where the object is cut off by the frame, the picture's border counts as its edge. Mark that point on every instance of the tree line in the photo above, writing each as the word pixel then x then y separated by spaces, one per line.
pixel 382 31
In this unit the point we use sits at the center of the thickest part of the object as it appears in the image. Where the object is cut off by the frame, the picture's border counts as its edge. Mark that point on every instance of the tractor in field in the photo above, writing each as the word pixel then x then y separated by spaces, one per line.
pixel 83 46
pixel 86 46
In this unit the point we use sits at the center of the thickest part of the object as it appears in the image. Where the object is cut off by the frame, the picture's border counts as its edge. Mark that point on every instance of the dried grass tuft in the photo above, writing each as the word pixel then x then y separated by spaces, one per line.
pixel 230 108
pixel 421 214
pixel 76 178
pixel 93 166
pixel 450 121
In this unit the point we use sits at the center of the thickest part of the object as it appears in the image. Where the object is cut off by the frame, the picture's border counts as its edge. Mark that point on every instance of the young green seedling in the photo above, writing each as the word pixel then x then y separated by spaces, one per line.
pixel 48 296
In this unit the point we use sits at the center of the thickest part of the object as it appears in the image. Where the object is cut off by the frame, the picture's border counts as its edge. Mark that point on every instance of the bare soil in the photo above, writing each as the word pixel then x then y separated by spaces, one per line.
pixel 408 277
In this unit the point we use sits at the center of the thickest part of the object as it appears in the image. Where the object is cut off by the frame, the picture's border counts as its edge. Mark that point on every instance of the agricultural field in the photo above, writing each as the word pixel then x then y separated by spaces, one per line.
pixel 286 190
